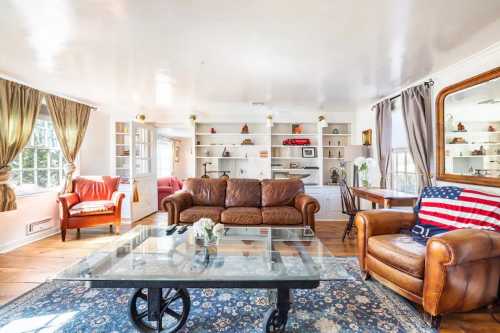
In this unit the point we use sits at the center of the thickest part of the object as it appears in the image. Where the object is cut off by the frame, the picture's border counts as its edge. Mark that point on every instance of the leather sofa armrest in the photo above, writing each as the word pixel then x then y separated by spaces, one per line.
pixel 175 203
pixel 66 201
pixel 379 222
pixel 307 206
pixel 462 270
pixel 117 198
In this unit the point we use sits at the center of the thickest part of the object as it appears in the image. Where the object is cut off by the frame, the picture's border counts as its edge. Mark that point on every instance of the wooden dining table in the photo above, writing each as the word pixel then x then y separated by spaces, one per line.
pixel 384 198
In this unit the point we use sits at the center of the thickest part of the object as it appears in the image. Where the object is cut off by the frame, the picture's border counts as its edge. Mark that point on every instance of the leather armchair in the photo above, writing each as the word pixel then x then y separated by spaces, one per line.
pixel 95 201
pixel 456 271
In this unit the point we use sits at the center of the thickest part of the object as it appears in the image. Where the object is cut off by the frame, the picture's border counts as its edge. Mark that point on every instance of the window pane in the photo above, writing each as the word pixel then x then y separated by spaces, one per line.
pixel 42 158
pixel 15 163
pixel 410 166
pixel 15 177
pixel 42 178
pixel 40 133
pixel 54 178
pixel 54 159
pixel 28 158
pixel 411 185
pixel 401 162
pixel 28 177
pixel 52 136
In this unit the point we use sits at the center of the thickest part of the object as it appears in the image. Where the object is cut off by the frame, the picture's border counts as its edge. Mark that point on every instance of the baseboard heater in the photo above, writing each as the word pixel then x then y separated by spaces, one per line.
pixel 39 226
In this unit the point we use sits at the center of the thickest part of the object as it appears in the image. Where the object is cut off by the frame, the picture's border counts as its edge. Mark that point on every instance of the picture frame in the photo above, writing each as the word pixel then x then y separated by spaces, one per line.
pixel 366 137
pixel 309 152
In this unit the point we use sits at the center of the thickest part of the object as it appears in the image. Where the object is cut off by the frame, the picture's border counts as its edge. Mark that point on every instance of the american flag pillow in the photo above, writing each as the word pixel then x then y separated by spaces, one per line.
pixel 446 208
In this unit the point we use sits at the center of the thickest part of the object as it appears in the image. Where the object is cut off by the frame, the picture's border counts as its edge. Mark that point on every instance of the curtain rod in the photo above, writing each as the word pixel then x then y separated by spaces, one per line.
pixel 428 83
pixel 7 77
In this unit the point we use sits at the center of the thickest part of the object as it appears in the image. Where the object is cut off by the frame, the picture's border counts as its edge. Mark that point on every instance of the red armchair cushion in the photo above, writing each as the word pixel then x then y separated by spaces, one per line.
pixel 98 207
pixel 95 188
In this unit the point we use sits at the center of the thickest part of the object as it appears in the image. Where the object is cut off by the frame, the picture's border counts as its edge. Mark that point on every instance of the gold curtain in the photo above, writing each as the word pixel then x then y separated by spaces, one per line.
pixel 70 123
pixel 19 107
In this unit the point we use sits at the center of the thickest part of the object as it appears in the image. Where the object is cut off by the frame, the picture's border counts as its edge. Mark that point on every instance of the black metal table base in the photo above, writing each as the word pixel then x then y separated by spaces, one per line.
pixel 277 317
pixel 159 310
pixel 166 310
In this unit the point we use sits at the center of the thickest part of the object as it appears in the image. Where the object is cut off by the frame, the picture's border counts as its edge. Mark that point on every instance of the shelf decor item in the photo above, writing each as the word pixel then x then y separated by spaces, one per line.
pixel 297 128
pixel 336 131
pixel 461 127
pixel 309 152
pixel 212 130
pixel 244 129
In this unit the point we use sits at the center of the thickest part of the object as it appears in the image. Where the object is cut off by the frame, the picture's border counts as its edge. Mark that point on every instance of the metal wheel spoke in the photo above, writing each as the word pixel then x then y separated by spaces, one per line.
pixel 142 314
pixel 173 299
pixel 172 313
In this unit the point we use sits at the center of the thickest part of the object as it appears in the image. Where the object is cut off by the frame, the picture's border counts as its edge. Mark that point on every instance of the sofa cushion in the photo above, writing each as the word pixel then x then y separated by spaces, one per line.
pixel 243 193
pixel 399 251
pixel 95 188
pixel 242 215
pixel 98 207
pixel 206 192
pixel 195 213
pixel 280 192
pixel 281 215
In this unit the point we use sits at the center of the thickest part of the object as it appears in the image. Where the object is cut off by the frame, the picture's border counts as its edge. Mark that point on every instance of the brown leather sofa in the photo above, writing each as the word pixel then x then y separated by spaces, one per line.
pixel 242 202
pixel 456 271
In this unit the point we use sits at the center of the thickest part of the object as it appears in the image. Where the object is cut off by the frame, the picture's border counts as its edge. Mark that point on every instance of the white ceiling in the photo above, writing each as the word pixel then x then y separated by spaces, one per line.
pixel 179 57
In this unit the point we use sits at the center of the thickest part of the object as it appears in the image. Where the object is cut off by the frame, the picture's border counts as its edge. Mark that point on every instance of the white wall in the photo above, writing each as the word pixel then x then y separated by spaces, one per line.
pixel 95 154
pixel 471 66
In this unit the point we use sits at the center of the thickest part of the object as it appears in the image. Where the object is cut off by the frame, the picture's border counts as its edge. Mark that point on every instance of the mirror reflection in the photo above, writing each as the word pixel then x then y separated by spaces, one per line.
pixel 472 131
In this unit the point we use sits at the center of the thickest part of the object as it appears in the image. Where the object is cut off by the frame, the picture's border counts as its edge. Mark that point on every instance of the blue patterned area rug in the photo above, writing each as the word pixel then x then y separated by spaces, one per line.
pixel 339 306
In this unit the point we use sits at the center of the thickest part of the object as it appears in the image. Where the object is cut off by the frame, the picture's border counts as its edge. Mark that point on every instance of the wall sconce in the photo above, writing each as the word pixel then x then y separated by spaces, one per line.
pixel 141 117
pixel 192 120
pixel 322 122
pixel 269 121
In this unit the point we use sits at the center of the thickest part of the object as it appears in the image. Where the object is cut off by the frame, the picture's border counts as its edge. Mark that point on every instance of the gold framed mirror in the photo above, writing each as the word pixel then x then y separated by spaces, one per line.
pixel 468 131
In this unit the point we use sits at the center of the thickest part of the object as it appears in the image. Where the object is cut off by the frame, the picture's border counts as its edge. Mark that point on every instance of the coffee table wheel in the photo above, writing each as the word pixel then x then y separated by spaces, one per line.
pixel 275 321
pixel 173 310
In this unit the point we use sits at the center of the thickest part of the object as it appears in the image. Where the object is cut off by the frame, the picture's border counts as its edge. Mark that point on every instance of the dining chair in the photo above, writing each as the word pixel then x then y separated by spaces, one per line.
pixel 348 207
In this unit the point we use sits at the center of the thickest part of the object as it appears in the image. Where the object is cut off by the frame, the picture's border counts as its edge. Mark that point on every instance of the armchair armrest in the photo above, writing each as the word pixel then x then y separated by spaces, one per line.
pixel 379 222
pixel 117 198
pixel 163 189
pixel 175 203
pixel 308 206
pixel 66 201
pixel 462 270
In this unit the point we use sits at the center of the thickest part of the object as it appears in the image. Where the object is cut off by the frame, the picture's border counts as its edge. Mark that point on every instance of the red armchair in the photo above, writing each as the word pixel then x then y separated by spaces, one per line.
pixel 95 201
pixel 166 187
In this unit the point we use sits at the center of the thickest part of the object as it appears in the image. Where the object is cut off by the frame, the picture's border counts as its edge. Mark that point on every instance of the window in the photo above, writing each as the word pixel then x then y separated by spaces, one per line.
pixel 40 164
pixel 403 175
pixel 165 156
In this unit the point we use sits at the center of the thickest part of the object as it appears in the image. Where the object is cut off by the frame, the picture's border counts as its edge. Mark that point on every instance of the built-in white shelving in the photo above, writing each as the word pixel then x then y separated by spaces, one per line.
pixel 273 153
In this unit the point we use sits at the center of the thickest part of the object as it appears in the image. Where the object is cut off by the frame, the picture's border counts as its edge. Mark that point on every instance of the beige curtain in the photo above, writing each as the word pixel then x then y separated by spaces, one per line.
pixel 384 138
pixel 70 123
pixel 417 116
pixel 19 107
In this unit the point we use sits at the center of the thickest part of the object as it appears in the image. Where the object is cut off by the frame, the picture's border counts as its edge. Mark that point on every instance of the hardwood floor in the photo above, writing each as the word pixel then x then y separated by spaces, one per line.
pixel 30 265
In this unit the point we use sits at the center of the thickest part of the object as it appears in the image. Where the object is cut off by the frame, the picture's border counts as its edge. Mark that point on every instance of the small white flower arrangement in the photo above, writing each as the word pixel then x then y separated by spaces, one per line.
pixel 207 229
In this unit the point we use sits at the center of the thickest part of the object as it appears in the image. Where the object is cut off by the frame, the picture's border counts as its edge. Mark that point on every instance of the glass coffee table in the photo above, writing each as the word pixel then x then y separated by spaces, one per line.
pixel 161 267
